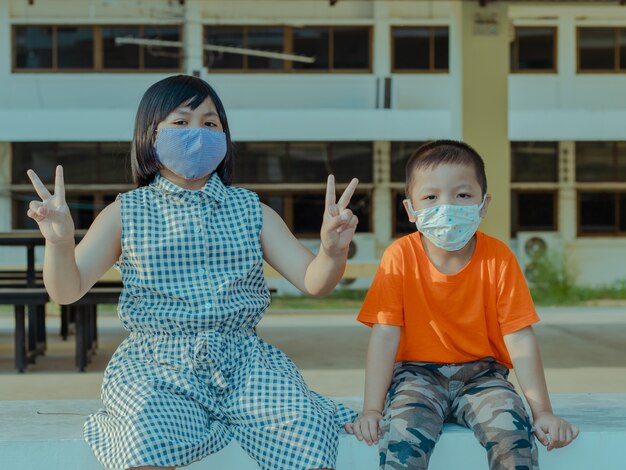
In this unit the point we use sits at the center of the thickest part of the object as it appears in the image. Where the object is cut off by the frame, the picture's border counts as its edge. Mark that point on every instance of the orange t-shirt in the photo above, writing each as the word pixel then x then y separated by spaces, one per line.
pixel 450 318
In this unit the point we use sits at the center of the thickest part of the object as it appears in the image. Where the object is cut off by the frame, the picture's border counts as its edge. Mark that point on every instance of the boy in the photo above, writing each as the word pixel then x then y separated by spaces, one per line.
pixel 450 307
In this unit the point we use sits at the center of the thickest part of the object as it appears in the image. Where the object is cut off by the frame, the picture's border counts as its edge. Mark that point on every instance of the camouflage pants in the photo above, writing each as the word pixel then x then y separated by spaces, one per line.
pixel 476 395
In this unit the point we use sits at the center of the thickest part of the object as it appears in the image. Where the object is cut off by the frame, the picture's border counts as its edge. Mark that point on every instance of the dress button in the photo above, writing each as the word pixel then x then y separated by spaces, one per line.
pixel 201 271
pixel 198 229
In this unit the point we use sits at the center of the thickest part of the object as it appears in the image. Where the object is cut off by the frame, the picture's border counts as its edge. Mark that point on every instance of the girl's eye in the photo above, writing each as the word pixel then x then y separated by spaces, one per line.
pixel 180 122
pixel 210 124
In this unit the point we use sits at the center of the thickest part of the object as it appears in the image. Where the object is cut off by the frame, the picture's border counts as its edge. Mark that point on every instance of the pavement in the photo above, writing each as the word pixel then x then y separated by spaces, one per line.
pixel 583 350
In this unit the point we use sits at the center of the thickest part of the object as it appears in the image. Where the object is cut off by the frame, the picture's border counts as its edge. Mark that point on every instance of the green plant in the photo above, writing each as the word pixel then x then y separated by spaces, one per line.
pixel 552 278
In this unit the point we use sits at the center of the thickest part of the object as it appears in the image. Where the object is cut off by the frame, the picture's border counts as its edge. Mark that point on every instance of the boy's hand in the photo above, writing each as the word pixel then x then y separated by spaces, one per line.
pixel 52 213
pixel 339 223
pixel 554 432
pixel 366 427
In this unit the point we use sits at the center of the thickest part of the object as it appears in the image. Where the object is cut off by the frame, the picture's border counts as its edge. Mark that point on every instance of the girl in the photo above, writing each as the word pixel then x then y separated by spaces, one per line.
pixel 192 374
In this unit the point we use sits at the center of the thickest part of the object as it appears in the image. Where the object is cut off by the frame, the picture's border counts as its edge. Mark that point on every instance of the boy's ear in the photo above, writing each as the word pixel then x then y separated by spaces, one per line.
pixel 483 211
pixel 409 212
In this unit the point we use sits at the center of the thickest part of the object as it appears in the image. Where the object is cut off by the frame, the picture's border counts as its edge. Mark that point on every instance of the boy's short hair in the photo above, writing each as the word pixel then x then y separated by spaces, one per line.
pixel 445 152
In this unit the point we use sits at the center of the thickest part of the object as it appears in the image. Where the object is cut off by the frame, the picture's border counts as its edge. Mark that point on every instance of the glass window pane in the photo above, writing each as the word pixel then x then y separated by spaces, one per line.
pixel 351 160
pixel 442 48
pixel 159 57
pixel 596 48
pixel 534 161
pixel 597 213
pixel 308 210
pixel 20 208
pixel 411 48
pixel 595 161
pixel 308 162
pixel 120 56
pixel 622 212
pixel 75 47
pixel 533 211
pixel 230 37
pixel 621 161
pixel 535 48
pixel 265 39
pixel 403 225
pixel 260 162
pixel 83 162
pixel 311 42
pixel 400 153
pixel 622 49
pixel 33 47
pixel 351 48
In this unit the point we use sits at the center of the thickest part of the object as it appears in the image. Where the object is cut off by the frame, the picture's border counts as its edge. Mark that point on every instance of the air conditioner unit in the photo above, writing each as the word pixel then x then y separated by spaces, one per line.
pixel 532 246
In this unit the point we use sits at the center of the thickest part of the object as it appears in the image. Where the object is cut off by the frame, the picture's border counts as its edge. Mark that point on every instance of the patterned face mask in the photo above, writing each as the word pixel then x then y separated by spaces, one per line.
pixel 190 153
pixel 448 226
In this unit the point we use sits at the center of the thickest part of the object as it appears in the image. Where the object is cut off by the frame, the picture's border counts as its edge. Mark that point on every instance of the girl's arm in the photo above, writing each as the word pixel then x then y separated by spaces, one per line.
pixel 381 354
pixel 69 271
pixel 313 275
pixel 524 351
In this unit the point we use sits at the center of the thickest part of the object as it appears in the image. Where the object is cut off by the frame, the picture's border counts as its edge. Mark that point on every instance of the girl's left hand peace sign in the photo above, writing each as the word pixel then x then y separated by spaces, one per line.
pixel 339 222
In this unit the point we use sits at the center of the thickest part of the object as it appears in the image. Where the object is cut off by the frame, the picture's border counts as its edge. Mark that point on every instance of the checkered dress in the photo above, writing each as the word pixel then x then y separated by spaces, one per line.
pixel 193 374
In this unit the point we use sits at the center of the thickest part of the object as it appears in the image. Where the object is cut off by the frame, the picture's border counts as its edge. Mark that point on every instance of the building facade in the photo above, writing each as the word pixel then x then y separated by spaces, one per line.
pixel 350 87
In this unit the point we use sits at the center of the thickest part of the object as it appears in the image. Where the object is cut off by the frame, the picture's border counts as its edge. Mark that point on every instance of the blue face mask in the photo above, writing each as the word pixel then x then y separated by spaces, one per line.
pixel 190 153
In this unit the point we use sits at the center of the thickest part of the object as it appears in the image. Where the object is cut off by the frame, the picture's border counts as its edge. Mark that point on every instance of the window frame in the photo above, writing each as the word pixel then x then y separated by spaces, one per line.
pixel 431 50
pixel 616 194
pixel 515 224
pixel 514 66
pixel 616 51
pixel 288 66
pixel 98 50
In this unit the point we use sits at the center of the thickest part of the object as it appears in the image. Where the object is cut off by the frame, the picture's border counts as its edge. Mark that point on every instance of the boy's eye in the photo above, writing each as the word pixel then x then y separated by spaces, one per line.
pixel 430 197
pixel 464 195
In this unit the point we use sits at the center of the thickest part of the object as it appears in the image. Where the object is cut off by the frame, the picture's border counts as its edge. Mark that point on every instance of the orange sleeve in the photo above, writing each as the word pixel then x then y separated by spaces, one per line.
pixel 384 303
pixel 515 305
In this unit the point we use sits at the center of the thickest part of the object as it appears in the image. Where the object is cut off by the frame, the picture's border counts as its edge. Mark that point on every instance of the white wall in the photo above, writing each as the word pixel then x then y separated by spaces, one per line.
pixel 567 105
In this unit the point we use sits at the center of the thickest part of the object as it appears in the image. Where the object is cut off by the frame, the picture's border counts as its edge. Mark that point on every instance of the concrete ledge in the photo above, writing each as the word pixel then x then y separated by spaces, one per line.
pixel 48 434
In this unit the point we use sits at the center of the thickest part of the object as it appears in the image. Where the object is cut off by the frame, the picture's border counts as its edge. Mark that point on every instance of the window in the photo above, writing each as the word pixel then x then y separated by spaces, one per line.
pixel 400 154
pixel 94 174
pixel 93 48
pixel 534 186
pixel 420 49
pixel 534 50
pixel 600 161
pixel 601 49
pixel 602 213
pixel 263 39
pixel 335 49
pixel 534 161
pixel 533 210
pixel 302 162
pixel 401 223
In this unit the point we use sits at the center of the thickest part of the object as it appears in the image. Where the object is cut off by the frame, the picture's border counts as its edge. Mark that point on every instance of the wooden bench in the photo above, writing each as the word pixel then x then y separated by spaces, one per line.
pixel 84 313
pixel 34 297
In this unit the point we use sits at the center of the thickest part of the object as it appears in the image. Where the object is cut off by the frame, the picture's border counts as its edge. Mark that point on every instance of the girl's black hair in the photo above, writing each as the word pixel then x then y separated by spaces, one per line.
pixel 157 103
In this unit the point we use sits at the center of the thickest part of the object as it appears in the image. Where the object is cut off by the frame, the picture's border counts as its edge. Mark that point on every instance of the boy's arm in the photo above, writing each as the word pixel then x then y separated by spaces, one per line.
pixel 381 353
pixel 524 351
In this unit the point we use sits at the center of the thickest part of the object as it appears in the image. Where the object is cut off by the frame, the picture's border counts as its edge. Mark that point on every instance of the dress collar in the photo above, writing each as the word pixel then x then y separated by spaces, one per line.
pixel 213 188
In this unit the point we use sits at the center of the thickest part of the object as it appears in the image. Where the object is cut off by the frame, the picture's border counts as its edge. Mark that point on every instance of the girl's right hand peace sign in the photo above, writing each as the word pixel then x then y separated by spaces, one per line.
pixel 52 213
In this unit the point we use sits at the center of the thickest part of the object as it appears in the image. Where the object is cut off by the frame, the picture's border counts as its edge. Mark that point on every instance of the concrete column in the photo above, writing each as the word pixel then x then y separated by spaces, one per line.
pixel 567 206
pixel 193 60
pixel 484 69
pixel 381 197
